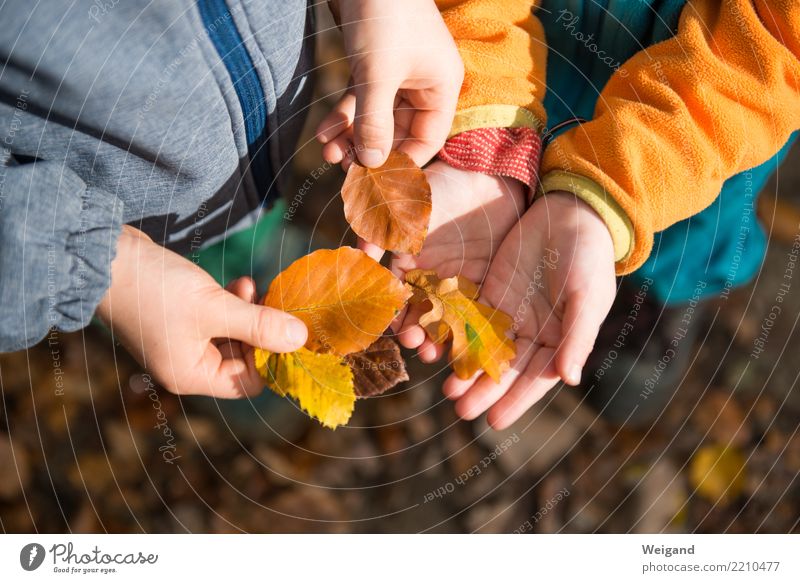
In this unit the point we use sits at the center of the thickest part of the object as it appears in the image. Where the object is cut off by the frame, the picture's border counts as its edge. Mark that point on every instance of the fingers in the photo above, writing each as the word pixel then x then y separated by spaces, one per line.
pixel 230 316
pixel 579 328
pixel 374 121
pixel 540 376
pixel 228 377
pixel 411 334
pixel 243 288
pixel 427 134
pixel 454 387
pixel 232 373
pixel 339 150
pixel 532 374
pixel 430 351
pixel 335 132
pixel 338 120
pixel 370 249
pixel 485 392
pixel 224 371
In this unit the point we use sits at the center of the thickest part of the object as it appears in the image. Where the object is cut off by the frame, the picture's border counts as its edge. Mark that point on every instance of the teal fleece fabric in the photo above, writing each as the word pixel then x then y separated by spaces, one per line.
pixel 723 246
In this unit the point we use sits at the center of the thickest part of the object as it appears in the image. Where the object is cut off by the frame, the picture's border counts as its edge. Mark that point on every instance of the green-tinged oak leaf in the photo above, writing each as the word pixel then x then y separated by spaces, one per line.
pixel 345 298
pixel 479 332
pixel 389 206
pixel 377 368
pixel 321 383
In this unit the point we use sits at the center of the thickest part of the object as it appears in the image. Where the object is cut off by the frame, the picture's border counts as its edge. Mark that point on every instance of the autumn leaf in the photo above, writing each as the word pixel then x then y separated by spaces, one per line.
pixel 479 332
pixel 346 299
pixel 389 206
pixel 321 383
pixel 717 473
pixel 378 368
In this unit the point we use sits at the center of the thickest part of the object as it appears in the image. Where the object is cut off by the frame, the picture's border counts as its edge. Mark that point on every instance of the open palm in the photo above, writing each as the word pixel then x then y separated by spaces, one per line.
pixel 472 213
pixel 554 275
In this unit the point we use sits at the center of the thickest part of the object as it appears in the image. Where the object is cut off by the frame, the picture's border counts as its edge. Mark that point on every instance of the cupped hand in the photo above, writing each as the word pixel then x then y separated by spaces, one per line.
pixel 194 336
pixel 471 215
pixel 406 75
pixel 554 275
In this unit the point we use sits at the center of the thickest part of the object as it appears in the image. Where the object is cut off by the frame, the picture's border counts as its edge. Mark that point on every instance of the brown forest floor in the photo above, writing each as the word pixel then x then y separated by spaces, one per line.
pixel 88 459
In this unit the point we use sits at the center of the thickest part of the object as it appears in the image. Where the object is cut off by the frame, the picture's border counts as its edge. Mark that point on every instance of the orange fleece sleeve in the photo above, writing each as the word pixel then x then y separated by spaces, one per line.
pixel 720 97
pixel 502 46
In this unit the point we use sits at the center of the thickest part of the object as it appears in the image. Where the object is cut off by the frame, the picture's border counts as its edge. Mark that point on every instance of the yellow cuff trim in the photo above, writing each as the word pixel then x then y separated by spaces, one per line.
pixel 615 218
pixel 493 116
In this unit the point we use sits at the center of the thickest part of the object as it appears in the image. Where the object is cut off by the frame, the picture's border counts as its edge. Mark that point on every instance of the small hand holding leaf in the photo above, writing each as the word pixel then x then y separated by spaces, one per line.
pixel 346 300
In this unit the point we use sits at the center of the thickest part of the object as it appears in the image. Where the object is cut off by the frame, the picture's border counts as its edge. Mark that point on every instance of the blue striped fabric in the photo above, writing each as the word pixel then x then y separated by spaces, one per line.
pixel 226 39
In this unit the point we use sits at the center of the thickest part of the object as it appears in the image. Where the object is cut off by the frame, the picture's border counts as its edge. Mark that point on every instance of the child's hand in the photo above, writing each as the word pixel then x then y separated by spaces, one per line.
pixel 406 75
pixel 194 336
pixel 471 215
pixel 554 275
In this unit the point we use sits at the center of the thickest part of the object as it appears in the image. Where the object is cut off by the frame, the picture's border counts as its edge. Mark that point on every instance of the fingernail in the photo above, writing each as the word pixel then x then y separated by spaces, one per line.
pixel 296 332
pixel 370 157
pixel 574 376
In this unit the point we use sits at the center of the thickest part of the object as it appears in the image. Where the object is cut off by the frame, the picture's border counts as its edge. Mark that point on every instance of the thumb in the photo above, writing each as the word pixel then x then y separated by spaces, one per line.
pixel 374 122
pixel 256 325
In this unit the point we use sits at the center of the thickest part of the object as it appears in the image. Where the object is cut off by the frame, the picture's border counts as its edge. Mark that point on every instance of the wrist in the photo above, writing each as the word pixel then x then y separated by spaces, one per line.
pixel 129 239
pixel 576 212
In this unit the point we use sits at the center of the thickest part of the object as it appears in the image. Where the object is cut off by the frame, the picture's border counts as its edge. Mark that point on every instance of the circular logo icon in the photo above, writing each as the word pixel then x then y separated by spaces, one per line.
pixel 31 556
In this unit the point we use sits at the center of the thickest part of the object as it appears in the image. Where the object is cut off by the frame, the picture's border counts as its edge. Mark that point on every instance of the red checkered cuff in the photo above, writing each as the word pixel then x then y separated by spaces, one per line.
pixel 512 152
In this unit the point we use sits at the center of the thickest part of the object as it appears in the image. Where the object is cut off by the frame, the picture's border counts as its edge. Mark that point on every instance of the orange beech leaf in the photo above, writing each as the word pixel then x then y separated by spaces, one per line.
pixel 346 299
pixel 389 206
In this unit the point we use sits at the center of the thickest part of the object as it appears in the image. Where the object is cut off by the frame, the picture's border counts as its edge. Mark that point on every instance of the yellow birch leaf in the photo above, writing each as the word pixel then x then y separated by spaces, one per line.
pixel 321 383
pixel 346 299
pixel 479 332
